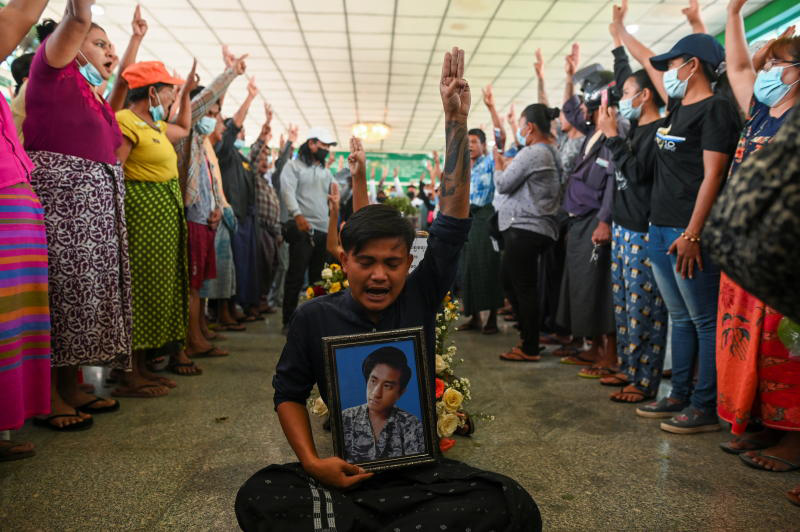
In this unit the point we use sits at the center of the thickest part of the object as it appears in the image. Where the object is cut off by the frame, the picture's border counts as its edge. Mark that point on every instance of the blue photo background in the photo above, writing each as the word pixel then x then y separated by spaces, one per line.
pixel 353 387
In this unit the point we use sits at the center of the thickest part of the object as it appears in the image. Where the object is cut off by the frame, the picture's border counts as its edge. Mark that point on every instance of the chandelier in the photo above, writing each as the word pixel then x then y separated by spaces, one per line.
pixel 371 131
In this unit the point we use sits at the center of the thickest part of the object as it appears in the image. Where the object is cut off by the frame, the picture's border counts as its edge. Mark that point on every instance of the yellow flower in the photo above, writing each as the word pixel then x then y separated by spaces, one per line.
pixel 452 399
pixel 310 293
pixel 346 284
pixel 441 365
pixel 335 267
pixel 335 287
pixel 447 425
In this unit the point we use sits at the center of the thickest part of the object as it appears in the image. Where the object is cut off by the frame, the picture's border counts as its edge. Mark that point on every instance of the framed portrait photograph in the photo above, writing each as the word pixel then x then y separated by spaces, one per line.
pixel 379 398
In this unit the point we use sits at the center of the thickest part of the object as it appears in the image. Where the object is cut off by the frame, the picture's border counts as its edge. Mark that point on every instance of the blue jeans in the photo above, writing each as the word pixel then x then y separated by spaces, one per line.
pixel 692 305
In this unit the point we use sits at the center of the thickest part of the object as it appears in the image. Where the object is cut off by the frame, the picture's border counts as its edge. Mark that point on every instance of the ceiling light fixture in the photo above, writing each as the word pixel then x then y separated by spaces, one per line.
pixel 371 131
pixel 633 28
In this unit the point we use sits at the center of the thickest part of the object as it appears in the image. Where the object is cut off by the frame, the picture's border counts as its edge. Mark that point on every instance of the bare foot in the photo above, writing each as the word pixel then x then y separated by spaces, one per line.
pixel 80 398
pixel 59 407
pixel 788 449
pixel 10 448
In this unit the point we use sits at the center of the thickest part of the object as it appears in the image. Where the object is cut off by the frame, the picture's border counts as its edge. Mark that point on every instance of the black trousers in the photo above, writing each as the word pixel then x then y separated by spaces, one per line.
pixel 521 266
pixel 306 253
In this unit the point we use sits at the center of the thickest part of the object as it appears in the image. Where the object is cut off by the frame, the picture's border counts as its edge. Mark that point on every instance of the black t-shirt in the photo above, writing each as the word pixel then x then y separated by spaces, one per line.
pixel 712 124
pixel 635 160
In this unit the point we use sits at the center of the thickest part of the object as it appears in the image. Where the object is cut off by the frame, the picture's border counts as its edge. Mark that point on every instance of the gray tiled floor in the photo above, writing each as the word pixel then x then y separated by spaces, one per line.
pixel 175 463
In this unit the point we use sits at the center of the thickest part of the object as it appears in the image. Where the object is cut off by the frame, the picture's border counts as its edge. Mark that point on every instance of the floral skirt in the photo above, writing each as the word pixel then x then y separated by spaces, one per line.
pixel 24 312
pixel 756 378
pixel 90 278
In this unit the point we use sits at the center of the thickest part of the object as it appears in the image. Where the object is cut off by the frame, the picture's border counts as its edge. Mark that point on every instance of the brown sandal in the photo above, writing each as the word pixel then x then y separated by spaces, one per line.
pixel 517 355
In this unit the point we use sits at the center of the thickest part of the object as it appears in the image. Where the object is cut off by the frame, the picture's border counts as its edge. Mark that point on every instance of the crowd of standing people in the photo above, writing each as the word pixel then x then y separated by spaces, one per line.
pixel 136 227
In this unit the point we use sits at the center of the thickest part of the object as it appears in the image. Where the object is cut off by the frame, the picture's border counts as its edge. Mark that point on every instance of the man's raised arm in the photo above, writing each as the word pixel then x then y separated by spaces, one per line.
pixel 454 188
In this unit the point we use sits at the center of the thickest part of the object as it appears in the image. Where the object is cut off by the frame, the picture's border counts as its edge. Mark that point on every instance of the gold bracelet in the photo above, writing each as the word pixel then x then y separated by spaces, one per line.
pixel 695 239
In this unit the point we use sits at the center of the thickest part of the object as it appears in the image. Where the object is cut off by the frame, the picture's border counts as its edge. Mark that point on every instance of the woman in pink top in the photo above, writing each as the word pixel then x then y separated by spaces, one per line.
pixel 72 137
pixel 25 319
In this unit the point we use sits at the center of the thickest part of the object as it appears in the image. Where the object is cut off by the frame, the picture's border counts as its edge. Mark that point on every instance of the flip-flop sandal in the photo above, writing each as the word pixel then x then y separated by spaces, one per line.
pixel 614 380
pixel 211 353
pixel 576 360
pixel 88 409
pixel 794 498
pixel 75 427
pixel 173 367
pixel 139 392
pixel 515 355
pixel 730 449
pixel 567 351
pixel 747 459
pixel 7 456
pixel 642 397
pixel 602 372
pixel 231 327
pixel 490 330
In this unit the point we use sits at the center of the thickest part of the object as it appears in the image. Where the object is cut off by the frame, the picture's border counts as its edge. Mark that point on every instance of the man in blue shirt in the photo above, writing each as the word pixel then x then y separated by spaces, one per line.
pixel 376 257
pixel 481 286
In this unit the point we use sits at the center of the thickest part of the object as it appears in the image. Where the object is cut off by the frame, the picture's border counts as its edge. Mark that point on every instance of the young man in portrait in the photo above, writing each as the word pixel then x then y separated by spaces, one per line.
pixel 378 429
pixel 329 493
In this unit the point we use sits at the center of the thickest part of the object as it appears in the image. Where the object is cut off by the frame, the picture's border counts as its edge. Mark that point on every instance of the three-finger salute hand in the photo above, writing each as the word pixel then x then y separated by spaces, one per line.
pixel 454 89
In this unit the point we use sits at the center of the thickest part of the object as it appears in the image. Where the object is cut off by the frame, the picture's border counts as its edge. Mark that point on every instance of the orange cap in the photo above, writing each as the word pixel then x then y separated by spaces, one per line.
pixel 149 73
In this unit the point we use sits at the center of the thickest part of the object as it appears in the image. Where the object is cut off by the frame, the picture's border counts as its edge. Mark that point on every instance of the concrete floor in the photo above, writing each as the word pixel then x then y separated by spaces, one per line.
pixel 176 463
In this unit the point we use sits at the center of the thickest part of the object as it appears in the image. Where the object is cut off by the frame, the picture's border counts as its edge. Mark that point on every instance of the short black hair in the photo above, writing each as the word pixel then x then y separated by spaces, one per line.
pixel 478 133
pixel 48 26
pixel 392 357
pixel 643 80
pixel 140 93
pixel 373 222
pixel 197 90
pixel 20 68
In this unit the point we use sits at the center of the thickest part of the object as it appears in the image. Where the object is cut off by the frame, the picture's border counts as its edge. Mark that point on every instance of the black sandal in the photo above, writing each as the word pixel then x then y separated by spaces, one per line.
pixel 87 408
pixel 7 456
pixel 75 427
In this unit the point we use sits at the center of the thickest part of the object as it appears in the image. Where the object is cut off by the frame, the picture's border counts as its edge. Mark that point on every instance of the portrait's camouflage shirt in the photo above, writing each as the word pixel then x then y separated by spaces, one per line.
pixel 402 436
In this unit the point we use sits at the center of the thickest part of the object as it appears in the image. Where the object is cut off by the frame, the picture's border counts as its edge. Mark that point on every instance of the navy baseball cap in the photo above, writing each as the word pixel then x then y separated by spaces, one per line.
pixel 699 45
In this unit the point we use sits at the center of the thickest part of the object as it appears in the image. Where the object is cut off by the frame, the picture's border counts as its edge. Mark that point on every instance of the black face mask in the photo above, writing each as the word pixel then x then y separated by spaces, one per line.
pixel 321 155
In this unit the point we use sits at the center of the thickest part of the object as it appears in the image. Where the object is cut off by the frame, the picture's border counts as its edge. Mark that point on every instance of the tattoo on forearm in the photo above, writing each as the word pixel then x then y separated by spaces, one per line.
pixel 456 160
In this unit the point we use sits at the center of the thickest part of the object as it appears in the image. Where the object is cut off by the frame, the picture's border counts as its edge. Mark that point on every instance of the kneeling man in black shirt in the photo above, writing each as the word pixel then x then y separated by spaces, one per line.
pixel 329 493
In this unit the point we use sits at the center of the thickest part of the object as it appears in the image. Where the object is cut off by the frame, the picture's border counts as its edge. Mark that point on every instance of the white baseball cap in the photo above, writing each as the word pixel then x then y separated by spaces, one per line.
pixel 322 134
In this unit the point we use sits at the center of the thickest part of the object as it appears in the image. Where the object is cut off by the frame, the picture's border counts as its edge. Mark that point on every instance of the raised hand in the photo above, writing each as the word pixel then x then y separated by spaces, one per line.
pixel 538 66
pixel 488 96
pixel 139 25
pixel 268 113
pixel 239 66
pixel 695 17
pixel 192 80
pixel 512 117
pixel 573 60
pixel 357 160
pixel 734 6
pixel 340 163
pixel 331 158
pixel 395 172
pixel 252 88
pixel 334 197
pixel 227 56
pixel 293 131
pixel 454 89
pixel 618 13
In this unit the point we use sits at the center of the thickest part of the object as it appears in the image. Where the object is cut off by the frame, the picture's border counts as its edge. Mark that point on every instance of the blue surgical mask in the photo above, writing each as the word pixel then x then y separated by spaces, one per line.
pixel 89 72
pixel 206 125
pixel 770 88
pixel 157 112
pixel 521 140
pixel 627 110
pixel 675 87
pixel 238 144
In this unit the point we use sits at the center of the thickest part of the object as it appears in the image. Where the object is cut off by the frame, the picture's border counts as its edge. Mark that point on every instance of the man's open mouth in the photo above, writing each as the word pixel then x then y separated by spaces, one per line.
pixel 376 293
